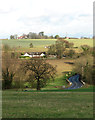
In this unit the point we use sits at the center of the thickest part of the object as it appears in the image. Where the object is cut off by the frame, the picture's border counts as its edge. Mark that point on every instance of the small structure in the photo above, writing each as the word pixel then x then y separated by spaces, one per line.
pixel 47 46
pixel 53 56
pixel 22 37
pixel 35 54
pixel 27 55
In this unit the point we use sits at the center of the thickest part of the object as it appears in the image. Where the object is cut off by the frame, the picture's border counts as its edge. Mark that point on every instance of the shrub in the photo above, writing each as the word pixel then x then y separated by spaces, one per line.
pixel 69 45
pixel 18 84
pixel 7 78
pixel 69 74
pixel 85 49
pixel 27 57
pixel 84 66
pixel 31 45
pixel 70 53
pixel 22 53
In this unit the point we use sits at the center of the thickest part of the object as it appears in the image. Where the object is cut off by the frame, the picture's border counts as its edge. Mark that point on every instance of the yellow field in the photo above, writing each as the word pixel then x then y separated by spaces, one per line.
pixel 79 42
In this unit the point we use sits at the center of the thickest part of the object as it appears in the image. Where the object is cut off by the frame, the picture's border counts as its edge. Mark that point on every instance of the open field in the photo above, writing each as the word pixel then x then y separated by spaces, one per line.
pixel 39 44
pixel 25 42
pixel 47 104
pixel 61 66
pixel 79 42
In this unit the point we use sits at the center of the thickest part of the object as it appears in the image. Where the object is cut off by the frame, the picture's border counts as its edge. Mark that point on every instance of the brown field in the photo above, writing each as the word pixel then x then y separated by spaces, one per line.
pixel 61 66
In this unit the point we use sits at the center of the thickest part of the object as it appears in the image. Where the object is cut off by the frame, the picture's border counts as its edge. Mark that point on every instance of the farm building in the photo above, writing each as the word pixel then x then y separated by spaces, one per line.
pixel 35 54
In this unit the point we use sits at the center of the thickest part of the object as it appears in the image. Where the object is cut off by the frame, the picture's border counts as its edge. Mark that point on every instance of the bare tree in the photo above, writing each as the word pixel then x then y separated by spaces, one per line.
pixel 39 70
pixel 8 67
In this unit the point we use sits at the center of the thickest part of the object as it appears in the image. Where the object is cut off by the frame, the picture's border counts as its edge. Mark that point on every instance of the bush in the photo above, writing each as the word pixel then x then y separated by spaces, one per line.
pixel 18 84
pixel 69 45
pixel 22 53
pixel 85 49
pixel 70 53
pixel 31 45
pixel 84 67
pixel 26 57
pixel 7 76
pixel 69 74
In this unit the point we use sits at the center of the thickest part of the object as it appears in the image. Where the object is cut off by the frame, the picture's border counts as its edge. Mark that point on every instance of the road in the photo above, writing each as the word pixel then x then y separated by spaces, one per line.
pixel 76 83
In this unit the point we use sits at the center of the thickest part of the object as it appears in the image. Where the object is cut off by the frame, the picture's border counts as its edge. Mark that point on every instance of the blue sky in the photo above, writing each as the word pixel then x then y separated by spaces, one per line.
pixel 71 17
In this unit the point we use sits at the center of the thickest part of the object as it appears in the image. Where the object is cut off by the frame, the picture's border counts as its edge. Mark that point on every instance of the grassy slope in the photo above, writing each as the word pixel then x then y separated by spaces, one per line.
pixel 23 44
pixel 61 65
pixel 47 105
pixel 39 44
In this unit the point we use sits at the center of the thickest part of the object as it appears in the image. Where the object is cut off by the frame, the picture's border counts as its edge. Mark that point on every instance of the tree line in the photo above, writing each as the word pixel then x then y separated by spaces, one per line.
pixel 32 35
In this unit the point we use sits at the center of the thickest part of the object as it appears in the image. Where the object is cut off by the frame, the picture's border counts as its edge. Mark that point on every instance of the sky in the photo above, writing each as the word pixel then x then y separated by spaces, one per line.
pixel 63 17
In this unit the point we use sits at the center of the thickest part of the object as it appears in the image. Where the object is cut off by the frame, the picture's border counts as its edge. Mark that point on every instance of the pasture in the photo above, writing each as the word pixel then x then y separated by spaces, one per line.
pixel 79 42
pixel 22 45
pixel 47 104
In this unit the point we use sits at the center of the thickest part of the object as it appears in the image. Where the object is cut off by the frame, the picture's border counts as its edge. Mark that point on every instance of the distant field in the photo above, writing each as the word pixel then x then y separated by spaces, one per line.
pixel 25 42
pixel 47 104
pixel 79 42
pixel 39 44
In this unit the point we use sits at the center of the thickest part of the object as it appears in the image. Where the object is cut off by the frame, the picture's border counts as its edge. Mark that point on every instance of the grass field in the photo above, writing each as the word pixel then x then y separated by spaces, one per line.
pixel 39 44
pixel 79 42
pixel 26 42
pixel 23 44
pixel 47 104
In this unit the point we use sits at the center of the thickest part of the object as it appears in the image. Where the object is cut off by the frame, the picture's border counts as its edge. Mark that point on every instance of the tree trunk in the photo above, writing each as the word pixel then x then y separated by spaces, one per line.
pixel 38 84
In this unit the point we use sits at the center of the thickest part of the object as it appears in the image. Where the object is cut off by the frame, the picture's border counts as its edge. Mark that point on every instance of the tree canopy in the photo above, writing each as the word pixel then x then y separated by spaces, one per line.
pixel 59 47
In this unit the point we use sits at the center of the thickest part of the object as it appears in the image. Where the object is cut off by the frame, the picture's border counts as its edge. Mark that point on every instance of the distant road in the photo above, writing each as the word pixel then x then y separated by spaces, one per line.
pixel 76 83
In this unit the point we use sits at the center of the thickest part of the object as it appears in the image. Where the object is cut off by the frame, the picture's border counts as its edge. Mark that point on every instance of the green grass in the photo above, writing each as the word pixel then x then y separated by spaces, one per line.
pixel 23 45
pixel 39 44
pixel 51 88
pixel 56 84
pixel 26 42
pixel 47 104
